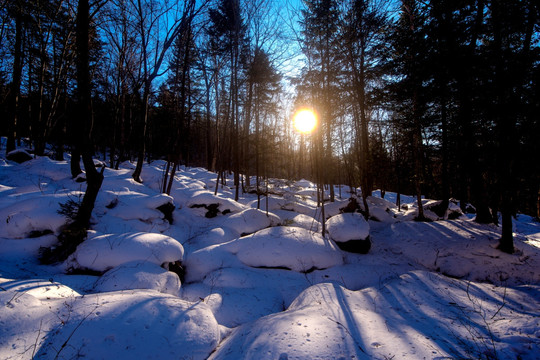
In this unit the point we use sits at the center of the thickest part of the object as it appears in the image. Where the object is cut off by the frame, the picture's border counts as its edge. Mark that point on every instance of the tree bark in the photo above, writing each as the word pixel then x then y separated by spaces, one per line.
pixel 75 232
pixel 16 81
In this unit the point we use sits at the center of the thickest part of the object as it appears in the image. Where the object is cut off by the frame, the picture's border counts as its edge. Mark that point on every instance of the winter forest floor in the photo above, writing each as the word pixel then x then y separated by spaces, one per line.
pixel 257 285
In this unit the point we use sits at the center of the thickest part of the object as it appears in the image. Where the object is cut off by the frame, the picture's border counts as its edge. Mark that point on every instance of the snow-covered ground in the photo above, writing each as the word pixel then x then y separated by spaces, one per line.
pixel 258 284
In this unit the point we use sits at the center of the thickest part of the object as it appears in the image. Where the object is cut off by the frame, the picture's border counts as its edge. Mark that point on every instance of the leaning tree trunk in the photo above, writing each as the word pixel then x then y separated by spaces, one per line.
pixel 75 232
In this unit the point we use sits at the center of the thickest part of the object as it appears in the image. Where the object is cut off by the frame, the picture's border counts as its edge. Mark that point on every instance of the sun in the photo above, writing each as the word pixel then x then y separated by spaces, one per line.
pixel 305 121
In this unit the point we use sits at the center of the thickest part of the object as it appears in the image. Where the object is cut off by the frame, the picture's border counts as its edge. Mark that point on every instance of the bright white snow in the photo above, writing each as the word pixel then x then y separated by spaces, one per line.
pixel 347 226
pixel 435 290
pixel 104 252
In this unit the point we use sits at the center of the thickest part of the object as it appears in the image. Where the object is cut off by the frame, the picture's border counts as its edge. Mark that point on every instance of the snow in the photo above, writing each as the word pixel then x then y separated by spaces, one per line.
pixel 425 290
pixel 250 221
pixel 139 275
pixel 419 315
pixel 347 226
pixel 104 252
pixel 104 325
pixel 208 198
pixel 35 213
pixel 293 248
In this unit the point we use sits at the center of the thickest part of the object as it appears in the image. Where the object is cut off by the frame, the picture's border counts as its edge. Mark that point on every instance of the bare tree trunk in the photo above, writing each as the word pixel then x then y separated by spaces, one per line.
pixel 93 178
pixel 142 146
pixel 16 81
pixel 75 233
pixel 418 159
pixel 538 205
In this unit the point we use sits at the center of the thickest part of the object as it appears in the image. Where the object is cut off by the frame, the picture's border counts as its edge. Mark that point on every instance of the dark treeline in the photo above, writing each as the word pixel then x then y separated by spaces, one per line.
pixel 438 98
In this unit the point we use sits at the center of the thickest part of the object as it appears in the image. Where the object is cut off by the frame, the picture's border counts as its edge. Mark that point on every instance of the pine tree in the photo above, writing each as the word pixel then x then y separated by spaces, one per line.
pixel 264 82
pixel 228 25
pixel 322 48
pixel 363 29
pixel 409 58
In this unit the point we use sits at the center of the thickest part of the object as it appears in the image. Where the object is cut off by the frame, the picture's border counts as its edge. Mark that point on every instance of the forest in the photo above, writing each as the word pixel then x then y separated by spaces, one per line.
pixel 432 98
pixel 162 198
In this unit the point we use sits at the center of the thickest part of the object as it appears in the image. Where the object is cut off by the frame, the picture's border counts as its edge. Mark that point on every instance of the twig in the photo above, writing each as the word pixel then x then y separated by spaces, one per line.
pixel 502 305
pixel 37 338
pixel 73 332
pixel 348 332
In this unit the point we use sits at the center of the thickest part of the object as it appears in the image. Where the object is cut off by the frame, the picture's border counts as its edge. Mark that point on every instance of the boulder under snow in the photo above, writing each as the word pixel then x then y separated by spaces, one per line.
pixel 350 231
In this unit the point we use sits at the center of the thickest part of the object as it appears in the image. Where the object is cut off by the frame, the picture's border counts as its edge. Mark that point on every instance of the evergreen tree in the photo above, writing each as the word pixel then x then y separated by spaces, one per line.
pixel 407 86
pixel 228 26
pixel 263 81
pixel 363 34
pixel 322 47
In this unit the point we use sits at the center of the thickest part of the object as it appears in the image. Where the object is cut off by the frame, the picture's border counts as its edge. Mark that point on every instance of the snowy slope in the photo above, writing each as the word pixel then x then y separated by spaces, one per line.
pixel 256 286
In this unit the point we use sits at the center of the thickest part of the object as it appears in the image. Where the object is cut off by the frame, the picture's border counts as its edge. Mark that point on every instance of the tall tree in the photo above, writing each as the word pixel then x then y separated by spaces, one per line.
pixel 409 54
pixel 363 30
pixel 17 9
pixel 512 25
pixel 228 25
pixel 264 82
pixel 321 45
pixel 75 233
pixel 154 46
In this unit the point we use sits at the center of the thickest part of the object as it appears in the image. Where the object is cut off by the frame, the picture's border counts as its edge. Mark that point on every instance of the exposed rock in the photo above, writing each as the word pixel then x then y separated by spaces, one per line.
pixel 350 231
pixel 356 245
pixel 19 156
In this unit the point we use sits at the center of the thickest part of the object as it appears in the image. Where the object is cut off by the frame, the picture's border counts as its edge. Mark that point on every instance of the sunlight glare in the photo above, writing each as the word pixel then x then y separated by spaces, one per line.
pixel 305 121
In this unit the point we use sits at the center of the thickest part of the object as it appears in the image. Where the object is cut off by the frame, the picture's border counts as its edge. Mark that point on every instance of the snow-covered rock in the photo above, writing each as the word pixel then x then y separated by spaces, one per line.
pixel 288 247
pixel 347 226
pixel 206 199
pixel 334 208
pixel 350 231
pixel 104 252
pixel 19 156
pixel 274 203
pixel 327 321
pixel 137 324
pixel 303 183
pixel 139 275
pixel 130 205
pixel 304 221
pixel 380 214
pixel 250 221
pixel 35 213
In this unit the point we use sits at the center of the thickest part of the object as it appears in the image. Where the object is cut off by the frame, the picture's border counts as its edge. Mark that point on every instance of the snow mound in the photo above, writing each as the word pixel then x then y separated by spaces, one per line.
pixel 381 214
pixel 250 221
pixel 130 205
pixel 469 253
pixel 347 226
pixel 139 275
pixel 304 184
pixel 380 202
pixel 37 288
pixel 301 206
pixel 285 247
pixel 306 222
pixel 207 198
pixel 214 236
pixel 44 167
pixel 274 203
pixel 35 213
pixel 98 326
pixel 184 187
pixel 327 321
pixel 19 156
pixel 104 252
pixel 334 208
pixel 293 248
